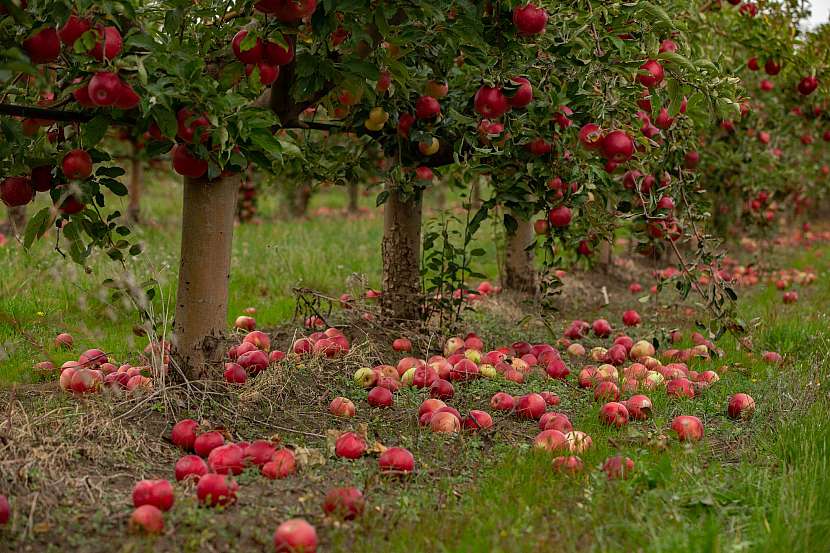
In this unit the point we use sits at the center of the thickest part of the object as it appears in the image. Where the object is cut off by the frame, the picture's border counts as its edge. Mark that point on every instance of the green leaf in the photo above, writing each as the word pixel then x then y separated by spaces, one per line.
pixel 113 171
pixel 37 227
pixel 93 131
pixel 382 197
pixel 166 120
pixel 116 187
pixel 510 223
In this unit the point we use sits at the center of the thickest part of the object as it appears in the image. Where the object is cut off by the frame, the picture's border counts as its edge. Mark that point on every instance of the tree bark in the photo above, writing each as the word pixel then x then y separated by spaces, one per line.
pixel 16 217
pixel 401 249
pixel 354 193
pixel 202 299
pixel 475 193
pixel 519 270
pixel 302 196
pixel 605 256
pixel 136 178
pixel 440 197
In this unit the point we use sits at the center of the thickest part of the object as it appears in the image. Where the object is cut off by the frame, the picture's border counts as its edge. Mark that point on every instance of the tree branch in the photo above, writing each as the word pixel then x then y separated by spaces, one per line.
pixel 44 113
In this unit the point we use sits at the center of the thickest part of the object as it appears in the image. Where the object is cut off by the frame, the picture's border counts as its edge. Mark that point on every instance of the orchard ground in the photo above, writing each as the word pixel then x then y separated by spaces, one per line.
pixel 68 463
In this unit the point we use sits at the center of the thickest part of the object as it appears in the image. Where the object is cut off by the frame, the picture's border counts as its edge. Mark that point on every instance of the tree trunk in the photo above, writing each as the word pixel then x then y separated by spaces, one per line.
pixel 519 269
pixel 401 249
pixel 475 193
pixel 202 300
pixel 16 220
pixel 354 193
pixel 605 256
pixel 302 196
pixel 440 197
pixel 136 178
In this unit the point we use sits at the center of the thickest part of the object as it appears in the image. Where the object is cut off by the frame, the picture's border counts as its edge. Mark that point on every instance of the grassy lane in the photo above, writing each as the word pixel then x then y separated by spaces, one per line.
pixel 761 485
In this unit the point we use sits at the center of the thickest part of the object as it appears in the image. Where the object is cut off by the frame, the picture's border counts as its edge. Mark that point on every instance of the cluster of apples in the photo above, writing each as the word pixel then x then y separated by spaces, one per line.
pixel 484 289
pixel 250 357
pixel 212 463
pixel 212 468
pixel 94 372
pixel 329 343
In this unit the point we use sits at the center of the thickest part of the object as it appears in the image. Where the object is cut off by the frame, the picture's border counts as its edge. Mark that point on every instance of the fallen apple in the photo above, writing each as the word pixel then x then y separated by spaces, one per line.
pixel 342 407
pixel 688 428
pixel 345 503
pixel 147 518
pixel 295 536
pixel 741 406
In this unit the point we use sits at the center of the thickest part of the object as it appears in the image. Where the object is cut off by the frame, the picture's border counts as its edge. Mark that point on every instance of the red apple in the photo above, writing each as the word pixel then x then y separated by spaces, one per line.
pixel 617 146
pixel 570 464
pixel 380 397
pixel 190 466
pixel 109 44
pixel 651 74
pixel 606 391
pixel 244 322
pixel 342 407
pixel 207 442
pixel 235 374
pixel 614 414
pixel 741 406
pixel 555 421
pixel 680 387
pixel 441 389
pixel 184 434
pixel 530 19
pixel 502 401
pixel 259 452
pixel 345 503
pixel 631 318
pixel 618 467
pixel 396 460
pixel 402 344
pixel 250 55
pixel 350 446
pixel 530 406
pixel 44 46
pixel 73 29
pixel 5 510
pixel 282 464
pixel 187 164
pixel 16 191
pixel 560 217
pixel 491 102
pixel 444 422
pixel 77 164
pixel 478 420
pixel 295 536
pixel 147 518
pixel 601 328
pixel 688 428
pixel 427 107
pixel 550 440
pixel 639 407
pixel 158 493
pixel 227 459
pixel 216 489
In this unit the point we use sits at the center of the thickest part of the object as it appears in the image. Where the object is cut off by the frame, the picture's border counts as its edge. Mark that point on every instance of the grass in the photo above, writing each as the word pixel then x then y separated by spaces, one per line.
pixel 757 485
